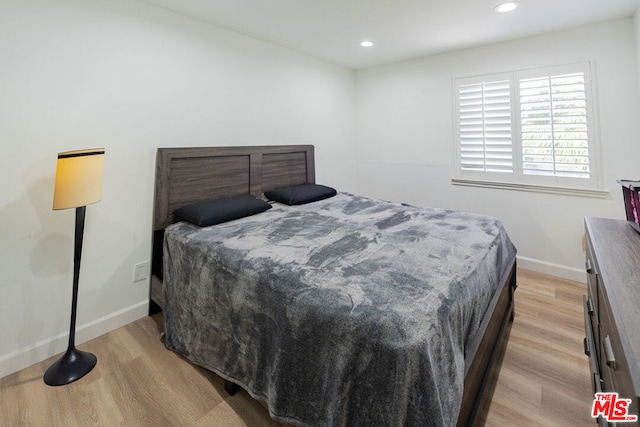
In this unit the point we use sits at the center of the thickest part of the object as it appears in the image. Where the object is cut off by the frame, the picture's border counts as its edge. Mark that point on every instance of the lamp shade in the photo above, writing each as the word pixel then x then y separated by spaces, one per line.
pixel 78 178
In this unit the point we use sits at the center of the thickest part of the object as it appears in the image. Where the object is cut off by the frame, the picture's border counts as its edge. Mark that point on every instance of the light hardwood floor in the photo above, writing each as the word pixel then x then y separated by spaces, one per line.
pixel 543 380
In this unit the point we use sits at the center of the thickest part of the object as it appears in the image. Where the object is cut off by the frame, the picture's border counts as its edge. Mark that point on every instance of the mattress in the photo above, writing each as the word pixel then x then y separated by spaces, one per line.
pixel 346 311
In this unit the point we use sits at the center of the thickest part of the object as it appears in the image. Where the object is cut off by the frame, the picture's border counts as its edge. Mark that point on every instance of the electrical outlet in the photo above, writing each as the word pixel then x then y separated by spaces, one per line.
pixel 140 271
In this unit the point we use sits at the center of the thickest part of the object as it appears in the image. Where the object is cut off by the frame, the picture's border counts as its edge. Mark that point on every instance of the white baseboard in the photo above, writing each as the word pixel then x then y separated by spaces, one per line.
pixel 564 272
pixel 23 358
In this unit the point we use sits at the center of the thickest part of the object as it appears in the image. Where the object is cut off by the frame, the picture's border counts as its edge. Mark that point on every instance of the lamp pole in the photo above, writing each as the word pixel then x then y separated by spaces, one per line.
pixel 75 363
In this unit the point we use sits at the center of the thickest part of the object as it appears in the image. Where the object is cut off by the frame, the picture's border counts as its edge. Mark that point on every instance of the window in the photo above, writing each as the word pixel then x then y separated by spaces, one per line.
pixel 531 129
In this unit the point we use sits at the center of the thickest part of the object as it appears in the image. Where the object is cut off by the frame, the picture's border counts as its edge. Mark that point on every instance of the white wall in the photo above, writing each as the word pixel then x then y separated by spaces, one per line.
pixel 636 26
pixel 405 137
pixel 129 77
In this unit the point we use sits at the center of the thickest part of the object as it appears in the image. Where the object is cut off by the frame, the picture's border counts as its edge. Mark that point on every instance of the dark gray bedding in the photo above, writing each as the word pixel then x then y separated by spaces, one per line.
pixel 346 311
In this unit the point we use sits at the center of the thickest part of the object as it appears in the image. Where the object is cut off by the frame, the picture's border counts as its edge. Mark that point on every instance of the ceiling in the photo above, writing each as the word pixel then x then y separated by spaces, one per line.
pixel 401 29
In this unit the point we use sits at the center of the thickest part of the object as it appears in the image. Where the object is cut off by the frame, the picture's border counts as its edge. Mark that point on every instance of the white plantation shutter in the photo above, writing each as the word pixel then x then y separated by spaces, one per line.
pixel 530 128
pixel 553 122
pixel 485 127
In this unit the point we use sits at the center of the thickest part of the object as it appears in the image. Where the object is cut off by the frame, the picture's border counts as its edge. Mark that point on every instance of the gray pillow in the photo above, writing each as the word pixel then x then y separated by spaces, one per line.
pixel 300 194
pixel 221 210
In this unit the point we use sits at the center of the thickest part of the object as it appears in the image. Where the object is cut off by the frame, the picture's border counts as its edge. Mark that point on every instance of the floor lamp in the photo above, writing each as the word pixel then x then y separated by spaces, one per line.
pixel 78 184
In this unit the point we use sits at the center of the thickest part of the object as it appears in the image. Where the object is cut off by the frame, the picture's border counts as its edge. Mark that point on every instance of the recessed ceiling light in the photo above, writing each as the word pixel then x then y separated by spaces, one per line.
pixel 507 6
pixel 366 43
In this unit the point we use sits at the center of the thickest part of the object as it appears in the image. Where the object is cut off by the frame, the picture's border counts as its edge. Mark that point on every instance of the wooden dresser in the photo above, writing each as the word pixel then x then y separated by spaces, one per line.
pixel 612 309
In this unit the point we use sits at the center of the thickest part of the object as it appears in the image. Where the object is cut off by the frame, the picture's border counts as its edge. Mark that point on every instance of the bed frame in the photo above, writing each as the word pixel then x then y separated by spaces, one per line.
pixel 189 175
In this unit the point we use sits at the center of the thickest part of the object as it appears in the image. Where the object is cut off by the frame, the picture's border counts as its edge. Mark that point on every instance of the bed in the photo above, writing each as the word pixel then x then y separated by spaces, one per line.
pixel 344 311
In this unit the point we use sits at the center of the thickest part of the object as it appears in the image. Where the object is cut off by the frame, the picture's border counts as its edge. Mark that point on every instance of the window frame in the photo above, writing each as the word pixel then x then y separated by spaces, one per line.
pixel 517 180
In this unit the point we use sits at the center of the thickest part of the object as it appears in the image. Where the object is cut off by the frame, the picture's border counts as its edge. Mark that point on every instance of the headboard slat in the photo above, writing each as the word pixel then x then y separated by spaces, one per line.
pixel 280 170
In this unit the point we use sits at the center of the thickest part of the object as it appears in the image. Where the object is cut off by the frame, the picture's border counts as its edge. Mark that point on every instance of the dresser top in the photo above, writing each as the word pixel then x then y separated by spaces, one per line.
pixel 616 248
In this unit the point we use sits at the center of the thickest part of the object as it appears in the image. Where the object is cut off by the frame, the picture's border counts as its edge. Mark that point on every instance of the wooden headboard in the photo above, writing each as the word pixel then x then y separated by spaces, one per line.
pixel 189 175
pixel 195 174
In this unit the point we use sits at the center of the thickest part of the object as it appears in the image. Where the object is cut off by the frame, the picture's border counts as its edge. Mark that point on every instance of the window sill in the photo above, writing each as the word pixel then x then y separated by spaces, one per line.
pixel 582 192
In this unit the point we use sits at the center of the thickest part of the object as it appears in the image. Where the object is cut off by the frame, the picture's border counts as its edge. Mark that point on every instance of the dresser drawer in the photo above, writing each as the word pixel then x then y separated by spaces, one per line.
pixel 590 346
pixel 593 279
pixel 614 368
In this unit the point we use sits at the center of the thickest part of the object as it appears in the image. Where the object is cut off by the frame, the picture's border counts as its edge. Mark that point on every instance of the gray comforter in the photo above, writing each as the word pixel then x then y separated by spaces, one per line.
pixel 347 311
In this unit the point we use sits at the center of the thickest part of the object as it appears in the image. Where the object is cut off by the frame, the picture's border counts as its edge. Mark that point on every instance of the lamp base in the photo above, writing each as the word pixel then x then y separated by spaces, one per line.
pixel 74 365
